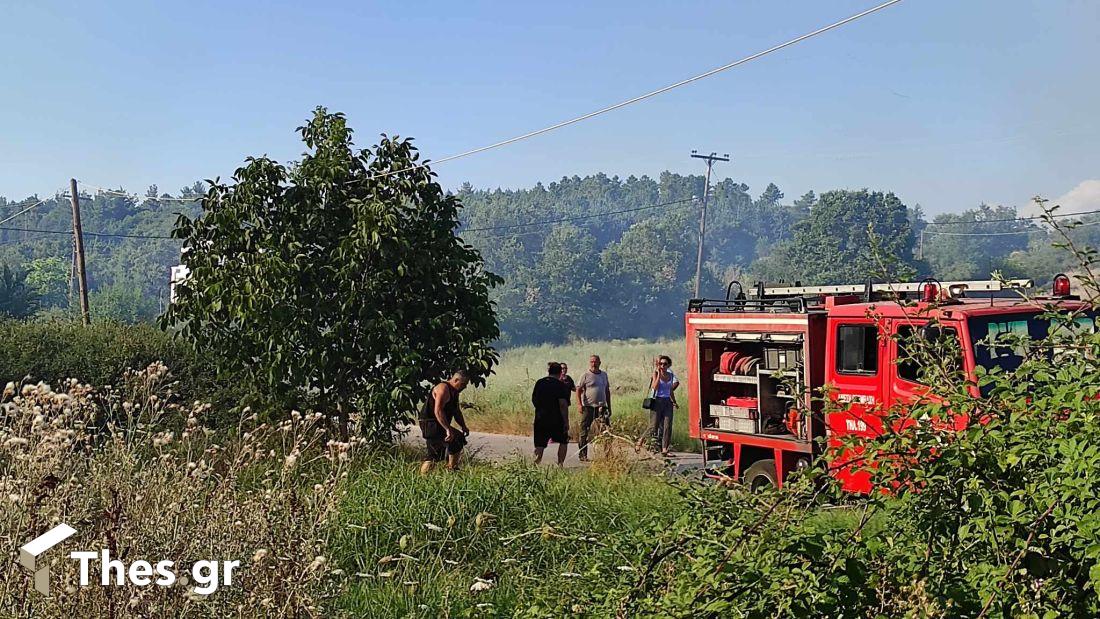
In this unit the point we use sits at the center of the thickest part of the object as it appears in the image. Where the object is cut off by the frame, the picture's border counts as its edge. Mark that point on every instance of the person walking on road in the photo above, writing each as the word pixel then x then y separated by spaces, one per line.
pixel 663 387
pixel 551 400
pixel 442 439
pixel 593 398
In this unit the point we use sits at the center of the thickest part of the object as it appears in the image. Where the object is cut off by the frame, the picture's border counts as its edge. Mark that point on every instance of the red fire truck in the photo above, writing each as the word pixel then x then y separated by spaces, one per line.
pixel 759 364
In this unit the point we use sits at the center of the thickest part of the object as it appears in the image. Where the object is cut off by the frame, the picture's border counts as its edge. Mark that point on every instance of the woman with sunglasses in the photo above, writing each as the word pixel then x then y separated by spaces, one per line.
pixel 663 387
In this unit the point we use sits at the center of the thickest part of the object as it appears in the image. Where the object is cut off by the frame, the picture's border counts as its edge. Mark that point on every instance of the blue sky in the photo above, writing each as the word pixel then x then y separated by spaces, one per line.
pixel 946 103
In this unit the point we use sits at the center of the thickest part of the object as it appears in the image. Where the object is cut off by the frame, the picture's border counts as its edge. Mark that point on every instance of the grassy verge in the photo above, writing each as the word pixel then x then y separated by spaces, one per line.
pixel 414 546
pixel 504 404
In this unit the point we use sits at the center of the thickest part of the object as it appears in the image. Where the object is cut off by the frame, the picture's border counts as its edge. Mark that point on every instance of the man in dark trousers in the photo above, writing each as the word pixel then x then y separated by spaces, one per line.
pixel 442 439
pixel 593 398
pixel 551 399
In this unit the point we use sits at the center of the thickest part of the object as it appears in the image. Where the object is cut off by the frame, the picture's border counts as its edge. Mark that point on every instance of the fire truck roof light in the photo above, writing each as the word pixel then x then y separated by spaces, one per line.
pixel 1061 285
pixel 929 293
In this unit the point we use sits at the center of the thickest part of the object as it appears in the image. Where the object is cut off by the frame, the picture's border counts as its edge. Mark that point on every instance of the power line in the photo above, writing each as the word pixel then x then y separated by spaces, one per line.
pixel 136 197
pixel 1074 226
pixel 86 233
pixel 994 221
pixel 639 98
pixel 508 235
pixel 577 218
pixel 5 220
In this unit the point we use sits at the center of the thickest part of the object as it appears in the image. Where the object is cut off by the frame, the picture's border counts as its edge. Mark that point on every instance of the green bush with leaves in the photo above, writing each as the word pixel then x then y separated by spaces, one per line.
pixel 57 350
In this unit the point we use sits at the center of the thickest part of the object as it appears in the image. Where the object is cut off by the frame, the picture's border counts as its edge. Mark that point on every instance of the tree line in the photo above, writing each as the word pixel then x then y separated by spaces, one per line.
pixel 586 275
pixel 630 274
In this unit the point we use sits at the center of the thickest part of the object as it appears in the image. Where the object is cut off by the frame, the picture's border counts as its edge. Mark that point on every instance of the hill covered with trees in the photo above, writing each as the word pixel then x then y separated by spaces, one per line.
pixel 584 257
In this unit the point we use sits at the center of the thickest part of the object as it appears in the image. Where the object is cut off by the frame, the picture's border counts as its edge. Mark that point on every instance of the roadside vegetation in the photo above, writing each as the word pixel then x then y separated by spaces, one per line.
pixel 320 526
pixel 998 518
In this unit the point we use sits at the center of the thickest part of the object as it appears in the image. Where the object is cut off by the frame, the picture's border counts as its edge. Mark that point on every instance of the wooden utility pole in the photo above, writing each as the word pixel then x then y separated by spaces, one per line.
pixel 710 159
pixel 78 244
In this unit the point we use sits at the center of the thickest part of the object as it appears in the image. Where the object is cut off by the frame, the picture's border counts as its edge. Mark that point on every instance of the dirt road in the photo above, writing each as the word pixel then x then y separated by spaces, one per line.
pixel 506 447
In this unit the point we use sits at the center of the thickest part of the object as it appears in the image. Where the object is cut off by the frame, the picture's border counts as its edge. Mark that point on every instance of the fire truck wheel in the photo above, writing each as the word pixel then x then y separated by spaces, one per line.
pixel 761 474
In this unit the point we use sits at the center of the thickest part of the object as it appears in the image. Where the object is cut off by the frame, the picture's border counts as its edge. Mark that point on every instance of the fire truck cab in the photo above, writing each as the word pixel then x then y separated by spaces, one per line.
pixel 759 365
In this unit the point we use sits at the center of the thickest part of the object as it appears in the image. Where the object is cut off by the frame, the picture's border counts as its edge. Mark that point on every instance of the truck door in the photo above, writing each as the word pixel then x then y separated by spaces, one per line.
pixel 909 347
pixel 855 354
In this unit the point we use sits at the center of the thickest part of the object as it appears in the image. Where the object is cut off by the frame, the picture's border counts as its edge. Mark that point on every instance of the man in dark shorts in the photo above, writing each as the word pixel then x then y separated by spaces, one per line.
pixel 551 400
pixel 443 440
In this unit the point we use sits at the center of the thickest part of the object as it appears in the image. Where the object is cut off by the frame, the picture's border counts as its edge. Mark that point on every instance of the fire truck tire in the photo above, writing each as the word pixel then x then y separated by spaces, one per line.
pixel 761 474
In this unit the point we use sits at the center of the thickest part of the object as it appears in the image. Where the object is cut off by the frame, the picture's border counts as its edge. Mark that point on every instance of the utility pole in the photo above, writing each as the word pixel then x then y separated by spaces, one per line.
pixel 710 159
pixel 78 244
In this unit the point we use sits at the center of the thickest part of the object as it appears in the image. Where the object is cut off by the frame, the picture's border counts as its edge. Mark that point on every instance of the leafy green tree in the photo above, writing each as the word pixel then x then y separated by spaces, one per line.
pixel 650 275
pixel 18 299
pixel 123 302
pixel 49 277
pixel 770 197
pixel 568 275
pixel 837 242
pixel 338 279
pixel 974 243
pixel 802 206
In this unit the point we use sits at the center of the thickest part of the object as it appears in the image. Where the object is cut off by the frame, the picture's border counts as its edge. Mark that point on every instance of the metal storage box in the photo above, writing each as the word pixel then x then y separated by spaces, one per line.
pixel 782 358
pixel 732 424
pixel 734 412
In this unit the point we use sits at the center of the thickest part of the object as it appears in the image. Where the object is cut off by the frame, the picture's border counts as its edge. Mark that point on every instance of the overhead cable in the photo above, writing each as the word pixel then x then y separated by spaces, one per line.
pixel 639 98
pixel 22 211
pixel 577 218
pixel 995 221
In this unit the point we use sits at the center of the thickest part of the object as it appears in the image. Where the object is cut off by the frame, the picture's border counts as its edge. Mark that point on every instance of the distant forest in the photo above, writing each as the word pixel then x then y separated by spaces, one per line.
pixel 585 273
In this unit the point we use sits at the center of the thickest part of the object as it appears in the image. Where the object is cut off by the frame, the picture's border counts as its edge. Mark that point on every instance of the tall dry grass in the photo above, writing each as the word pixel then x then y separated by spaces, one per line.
pixel 321 528
pixel 143 477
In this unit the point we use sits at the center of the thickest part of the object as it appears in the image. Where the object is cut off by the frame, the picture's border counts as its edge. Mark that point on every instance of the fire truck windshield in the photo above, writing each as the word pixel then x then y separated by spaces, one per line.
pixel 999 340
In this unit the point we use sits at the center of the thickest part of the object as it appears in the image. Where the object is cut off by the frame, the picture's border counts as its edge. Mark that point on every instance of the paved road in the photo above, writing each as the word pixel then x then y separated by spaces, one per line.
pixel 506 447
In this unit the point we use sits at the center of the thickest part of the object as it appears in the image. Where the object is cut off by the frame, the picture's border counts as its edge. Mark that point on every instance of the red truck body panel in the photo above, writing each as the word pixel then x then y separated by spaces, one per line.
pixel 810 331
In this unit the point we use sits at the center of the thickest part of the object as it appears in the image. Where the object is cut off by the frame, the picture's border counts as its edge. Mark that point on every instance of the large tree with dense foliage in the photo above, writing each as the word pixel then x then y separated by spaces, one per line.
pixel 849 236
pixel 18 299
pixel 974 243
pixel 338 279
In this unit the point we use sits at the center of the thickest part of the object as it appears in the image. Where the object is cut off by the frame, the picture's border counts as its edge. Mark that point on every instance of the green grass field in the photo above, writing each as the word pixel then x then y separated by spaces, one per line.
pixel 413 546
pixel 504 404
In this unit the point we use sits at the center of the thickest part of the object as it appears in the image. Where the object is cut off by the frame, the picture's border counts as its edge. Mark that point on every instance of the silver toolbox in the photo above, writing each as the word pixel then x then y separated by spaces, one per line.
pixel 731 424
pixel 721 411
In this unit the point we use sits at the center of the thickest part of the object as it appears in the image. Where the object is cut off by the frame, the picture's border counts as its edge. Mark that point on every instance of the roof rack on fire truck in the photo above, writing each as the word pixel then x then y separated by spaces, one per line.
pixel 798 298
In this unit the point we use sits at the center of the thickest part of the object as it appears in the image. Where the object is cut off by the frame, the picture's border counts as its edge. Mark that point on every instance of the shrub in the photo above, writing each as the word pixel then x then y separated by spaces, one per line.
pixel 54 351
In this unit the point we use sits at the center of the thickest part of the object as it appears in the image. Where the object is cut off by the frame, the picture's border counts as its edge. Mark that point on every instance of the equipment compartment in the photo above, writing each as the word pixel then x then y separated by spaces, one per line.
pixel 738 390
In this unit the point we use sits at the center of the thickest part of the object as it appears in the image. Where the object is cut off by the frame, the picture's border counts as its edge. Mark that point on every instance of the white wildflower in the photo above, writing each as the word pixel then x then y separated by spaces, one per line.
pixel 480 584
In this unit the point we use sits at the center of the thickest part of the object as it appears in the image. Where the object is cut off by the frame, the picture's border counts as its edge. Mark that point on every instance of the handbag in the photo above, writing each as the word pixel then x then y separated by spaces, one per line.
pixel 650 403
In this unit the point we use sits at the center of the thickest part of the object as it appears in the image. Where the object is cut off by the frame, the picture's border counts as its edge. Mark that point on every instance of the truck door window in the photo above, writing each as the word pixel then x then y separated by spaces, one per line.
pixel 945 352
pixel 857 349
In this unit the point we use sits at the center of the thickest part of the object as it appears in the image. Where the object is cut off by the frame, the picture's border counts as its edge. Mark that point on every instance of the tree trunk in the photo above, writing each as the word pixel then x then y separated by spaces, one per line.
pixel 342 415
